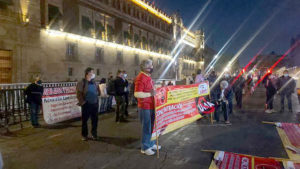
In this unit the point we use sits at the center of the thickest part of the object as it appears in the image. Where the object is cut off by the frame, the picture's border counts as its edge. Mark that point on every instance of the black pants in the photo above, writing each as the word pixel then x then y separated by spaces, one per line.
pixel 120 110
pixel 222 108
pixel 289 99
pixel 126 96
pixel 89 110
pixel 269 102
pixel 239 98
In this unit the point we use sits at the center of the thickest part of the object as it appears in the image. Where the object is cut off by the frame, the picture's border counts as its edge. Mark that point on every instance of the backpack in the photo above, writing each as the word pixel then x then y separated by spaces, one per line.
pixel 111 89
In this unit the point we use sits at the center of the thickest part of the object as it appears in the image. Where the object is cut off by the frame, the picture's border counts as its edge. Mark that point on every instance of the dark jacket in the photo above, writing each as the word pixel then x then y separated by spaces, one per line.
pixel 239 85
pixel 286 85
pixel 34 93
pixel 216 96
pixel 270 86
pixel 81 90
pixel 120 85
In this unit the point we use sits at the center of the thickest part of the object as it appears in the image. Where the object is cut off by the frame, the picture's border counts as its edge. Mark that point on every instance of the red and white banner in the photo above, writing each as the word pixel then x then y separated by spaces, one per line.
pixel 226 160
pixel 177 106
pixel 60 104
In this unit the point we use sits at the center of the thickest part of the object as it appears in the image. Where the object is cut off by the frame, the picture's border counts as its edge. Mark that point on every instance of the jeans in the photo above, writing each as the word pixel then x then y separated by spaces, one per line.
pixel 126 103
pixel 230 107
pixel 224 108
pixel 89 110
pixel 34 111
pixel 289 99
pixel 103 104
pixel 147 121
pixel 109 102
pixel 120 108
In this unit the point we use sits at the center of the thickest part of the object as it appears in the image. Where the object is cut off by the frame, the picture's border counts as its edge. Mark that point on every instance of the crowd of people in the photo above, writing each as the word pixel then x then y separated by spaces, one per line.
pixel 223 88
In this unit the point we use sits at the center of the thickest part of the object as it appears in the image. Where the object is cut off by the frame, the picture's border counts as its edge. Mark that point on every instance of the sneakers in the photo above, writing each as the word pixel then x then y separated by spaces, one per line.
pixel 148 152
pixel 155 147
pixel 84 139
pixel 227 122
pixel 268 111
pixel 95 138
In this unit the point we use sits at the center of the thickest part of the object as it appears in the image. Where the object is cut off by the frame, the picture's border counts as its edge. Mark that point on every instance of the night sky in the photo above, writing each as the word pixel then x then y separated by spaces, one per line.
pixel 223 17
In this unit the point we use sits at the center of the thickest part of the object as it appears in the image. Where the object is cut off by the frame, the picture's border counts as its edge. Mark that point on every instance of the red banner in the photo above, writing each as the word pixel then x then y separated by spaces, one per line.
pixel 177 106
pixel 226 160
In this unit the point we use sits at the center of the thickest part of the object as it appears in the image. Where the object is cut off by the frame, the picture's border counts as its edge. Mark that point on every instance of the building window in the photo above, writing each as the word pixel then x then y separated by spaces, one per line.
pixel 72 50
pixel 98 72
pixel 119 57
pixel 136 60
pixel 70 71
pixel 99 55
pixel 99 29
pixel 54 17
pixel 110 33
pixel 158 63
pixel 86 25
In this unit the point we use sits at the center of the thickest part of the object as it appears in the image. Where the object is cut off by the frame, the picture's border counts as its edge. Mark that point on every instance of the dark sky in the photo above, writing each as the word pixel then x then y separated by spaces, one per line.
pixel 223 17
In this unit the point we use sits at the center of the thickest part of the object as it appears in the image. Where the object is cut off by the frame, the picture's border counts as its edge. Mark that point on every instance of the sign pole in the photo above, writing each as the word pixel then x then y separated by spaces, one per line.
pixel 156 131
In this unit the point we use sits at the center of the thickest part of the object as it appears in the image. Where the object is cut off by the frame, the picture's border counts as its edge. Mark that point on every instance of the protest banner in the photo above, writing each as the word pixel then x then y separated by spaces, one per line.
pixel 290 136
pixel 60 104
pixel 227 160
pixel 177 106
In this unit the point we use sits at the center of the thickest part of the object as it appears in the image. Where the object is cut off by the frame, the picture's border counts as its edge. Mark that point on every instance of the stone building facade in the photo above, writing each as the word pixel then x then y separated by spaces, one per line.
pixel 58 39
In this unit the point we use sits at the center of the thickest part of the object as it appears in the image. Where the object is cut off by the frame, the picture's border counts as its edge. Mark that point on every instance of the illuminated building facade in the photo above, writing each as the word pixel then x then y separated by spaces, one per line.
pixel 58 39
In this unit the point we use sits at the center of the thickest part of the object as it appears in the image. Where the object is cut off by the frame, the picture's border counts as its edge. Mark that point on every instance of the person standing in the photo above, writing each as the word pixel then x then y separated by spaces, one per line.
pixel 34 93
pixel 104 96
pixel 224 95
pixel 126 96
pixel 120 96
pixel 270 86
pixel 228 78
pixel 199 78
pixel 145 92
pixel 163 83
pixel 238 87
pixel 87 94
pixel 286 86
pixel 110 97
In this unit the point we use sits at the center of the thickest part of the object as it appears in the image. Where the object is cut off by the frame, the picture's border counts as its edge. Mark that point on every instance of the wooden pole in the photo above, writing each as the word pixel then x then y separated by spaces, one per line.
pixel 156 137
pixel 268 122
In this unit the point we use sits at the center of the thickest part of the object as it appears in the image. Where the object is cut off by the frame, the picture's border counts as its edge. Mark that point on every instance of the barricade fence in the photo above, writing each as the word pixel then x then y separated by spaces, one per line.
pixel 14 109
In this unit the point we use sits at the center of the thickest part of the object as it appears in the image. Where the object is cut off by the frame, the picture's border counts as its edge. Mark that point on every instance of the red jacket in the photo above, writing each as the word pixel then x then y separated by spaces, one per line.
pixel 144 83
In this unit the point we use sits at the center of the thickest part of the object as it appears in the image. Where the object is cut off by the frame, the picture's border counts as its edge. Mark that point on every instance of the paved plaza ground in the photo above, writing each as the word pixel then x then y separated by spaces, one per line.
pixel 60 146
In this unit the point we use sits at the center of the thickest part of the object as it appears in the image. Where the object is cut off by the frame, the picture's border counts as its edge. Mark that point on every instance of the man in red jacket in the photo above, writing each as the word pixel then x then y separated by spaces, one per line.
pixel 144 92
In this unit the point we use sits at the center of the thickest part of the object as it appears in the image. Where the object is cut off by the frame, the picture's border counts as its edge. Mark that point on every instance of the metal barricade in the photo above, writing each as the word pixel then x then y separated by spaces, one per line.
pixel 13 109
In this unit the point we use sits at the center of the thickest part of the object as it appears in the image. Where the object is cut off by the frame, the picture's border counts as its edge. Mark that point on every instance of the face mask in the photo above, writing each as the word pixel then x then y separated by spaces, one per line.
pixel 39 82
pixel 125 75
pixel 227 75
pixel 93 76
pixel 286 75
pixel 151 70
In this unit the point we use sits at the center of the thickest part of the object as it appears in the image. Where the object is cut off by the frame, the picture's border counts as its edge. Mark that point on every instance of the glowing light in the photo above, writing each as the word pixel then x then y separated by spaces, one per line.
pixel 189 43
pixel 178 45
pixel 189 61
pixel 55 33
pixel 189 33
pixel 24 4
pixel 275 64
pixel 152 10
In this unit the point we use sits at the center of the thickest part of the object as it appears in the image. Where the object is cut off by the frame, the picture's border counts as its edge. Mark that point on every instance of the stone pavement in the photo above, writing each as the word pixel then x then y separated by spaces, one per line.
pixel 60 146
